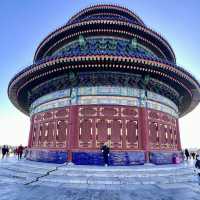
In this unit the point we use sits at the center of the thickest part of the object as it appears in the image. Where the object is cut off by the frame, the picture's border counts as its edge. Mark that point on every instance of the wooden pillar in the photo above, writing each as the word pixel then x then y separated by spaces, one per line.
pixel 159 135
pixel 73 131
pixel 143 123
pixel 178 136
pixel 124 133
pixel 140 136
pixel 93 133
pixel 55 124
pixel 37 135
pixel 30 139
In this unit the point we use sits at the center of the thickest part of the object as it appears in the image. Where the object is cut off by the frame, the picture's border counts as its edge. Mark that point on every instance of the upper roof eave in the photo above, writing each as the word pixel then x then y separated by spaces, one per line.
pixel 51 37
pixel 31 69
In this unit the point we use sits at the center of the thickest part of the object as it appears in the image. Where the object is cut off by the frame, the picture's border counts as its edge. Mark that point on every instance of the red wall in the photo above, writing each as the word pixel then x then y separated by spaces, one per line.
pixel 88 127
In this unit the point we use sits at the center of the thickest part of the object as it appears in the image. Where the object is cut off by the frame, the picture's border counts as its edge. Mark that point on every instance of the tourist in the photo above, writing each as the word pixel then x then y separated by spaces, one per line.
pixel 25 152
pixel 20 152
pixel 193 154
pixel 105 150
pixel 197 166
pixel 15 151
pixel 187 154
pixel 175 159
pixel 3 150
pixel 7 151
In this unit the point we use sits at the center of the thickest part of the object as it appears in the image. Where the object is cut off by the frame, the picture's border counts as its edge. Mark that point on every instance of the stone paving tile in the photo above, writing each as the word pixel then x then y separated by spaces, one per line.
pixel 47 184
pixel 103 180
pixel 66 179
pixel 129 180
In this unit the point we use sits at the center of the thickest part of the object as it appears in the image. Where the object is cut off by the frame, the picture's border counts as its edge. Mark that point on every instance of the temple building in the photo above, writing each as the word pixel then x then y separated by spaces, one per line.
pixel 104 77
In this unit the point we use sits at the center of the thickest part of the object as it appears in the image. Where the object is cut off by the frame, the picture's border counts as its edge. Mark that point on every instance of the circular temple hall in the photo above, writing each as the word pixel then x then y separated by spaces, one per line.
pixel 104 77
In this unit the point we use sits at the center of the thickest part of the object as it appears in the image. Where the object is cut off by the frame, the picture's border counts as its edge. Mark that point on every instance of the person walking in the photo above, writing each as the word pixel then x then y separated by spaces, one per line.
pixel 20 152
pixel 3 151
pixel 7 151
pixel 15 151
pixel 193 154
pixel 105 151
pixel 197 166
pixel 25 152
pixel 187 154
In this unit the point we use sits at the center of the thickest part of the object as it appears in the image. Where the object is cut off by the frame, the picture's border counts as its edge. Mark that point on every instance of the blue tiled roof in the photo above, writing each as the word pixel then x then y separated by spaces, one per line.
pixel 104 17
pixel 102 46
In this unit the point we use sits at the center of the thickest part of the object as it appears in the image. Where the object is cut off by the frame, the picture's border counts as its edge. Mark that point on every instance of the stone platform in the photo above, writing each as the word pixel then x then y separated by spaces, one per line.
pixel 116 158
pixel 35 180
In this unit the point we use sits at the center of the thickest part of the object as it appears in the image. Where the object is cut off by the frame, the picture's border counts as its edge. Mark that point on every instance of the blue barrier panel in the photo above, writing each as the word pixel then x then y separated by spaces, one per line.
pixel 160 158
pixel 135 158
pixel 115 158
pixel 87 158
pixel 47 156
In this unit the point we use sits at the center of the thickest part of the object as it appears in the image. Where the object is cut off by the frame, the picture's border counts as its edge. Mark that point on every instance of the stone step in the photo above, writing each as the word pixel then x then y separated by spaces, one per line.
pixel 116 181
pixel 72 172
pixel 100 179
pixel 114 177
pixel 114 173
pixel 95 170
pixel 35 173
pixel 141 168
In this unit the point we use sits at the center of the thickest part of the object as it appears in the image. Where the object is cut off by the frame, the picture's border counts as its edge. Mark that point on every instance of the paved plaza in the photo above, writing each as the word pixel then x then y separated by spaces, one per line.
pixel 33 180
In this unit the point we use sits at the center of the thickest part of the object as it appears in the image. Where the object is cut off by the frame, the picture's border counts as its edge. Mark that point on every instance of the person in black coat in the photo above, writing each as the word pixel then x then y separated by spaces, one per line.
pixel 193 154
pixel 20 152
pixel 187 154
pixel 105 150
pixel 7 151
pixel 197 166
pixel 3 150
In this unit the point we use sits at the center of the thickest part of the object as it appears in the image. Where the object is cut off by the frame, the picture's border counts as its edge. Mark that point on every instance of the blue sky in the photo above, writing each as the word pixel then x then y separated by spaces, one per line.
pixel 24 24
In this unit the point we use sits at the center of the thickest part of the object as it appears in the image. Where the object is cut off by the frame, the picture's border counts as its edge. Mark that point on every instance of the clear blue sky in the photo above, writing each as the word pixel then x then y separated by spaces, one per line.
pixel 23 24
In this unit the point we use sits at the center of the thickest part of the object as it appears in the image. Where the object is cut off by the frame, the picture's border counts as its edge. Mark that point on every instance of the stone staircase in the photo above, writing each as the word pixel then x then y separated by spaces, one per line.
pixel 120 176
pixel 97 177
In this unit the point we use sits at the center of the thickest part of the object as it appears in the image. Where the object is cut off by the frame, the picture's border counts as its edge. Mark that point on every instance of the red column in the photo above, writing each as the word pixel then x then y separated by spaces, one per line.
pixel 31 132
pixel 178 135
pixel 37 134
pixel 93 133
pixel 124 134
pixel 55 131
pixel 140 136
pixel 143 123
pixel 72 135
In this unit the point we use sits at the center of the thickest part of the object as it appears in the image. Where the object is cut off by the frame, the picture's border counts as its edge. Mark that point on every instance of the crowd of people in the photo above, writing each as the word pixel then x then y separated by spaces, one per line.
pixel 190 155
pixel 195 157
pixel 18 151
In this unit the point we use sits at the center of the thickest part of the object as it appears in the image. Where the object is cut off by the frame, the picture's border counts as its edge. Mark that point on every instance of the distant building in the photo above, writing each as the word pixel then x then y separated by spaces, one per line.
pixel 104 77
